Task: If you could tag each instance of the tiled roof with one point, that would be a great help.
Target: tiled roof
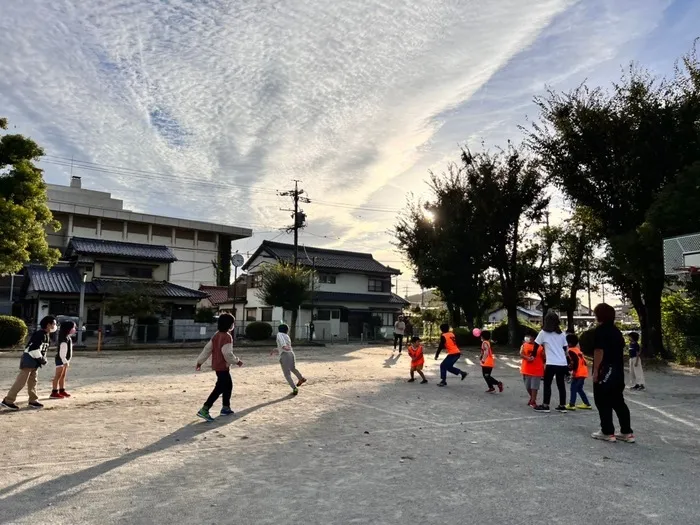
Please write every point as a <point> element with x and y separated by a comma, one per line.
<point>128,250</point>
<point>66,280</point>
<point>341,297</point>
<point>325,259</point>
<point>217,294</point>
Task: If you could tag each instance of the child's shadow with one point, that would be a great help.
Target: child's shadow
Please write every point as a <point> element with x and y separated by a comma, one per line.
<point>391,360</point>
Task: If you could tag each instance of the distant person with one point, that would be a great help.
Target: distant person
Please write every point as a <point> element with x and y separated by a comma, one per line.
<point>609,377</point>
<point>636,371</point>
<point>488,362</point>
<point>63,357</point>
<point>399,330</point>
<point>555,348</point>
<point>220,348</point>
<point>408,330</point>
<point>415,352</point>
<point>33,358</point>
<point>288,359</point>
<point>579,373</point>
<point>531,367</point>
<point>449,344</point>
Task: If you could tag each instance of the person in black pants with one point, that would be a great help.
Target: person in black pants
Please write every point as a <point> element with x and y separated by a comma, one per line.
<point>609,377</point>
<point>554,343</point>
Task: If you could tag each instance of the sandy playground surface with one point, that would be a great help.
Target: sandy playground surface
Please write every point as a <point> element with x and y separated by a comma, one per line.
<point>358,445</point>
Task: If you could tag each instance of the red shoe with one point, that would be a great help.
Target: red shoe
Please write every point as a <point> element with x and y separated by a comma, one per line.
<point>64,394</point>
<point>490,390</point>
<point>500,387</point>
<point>531,404</point>
<point>55,395</point>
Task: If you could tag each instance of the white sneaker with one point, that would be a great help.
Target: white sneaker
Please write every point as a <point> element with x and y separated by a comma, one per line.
<point>627,438</point>
<point>603,437</point>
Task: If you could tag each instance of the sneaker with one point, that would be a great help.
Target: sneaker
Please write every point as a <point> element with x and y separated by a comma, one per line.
<point>490,390</point>
<point>635,387</point>
<point>641,387</point>
<point>226,411</point>
<point>500,387</point>
<point>570,407</point>
<point>442,383</point>
<point>9,405</point>
<point>55,395</point>
<point>301,381</point>
<point>562,409</point>
<point>603,437</point>
<point>63,394</point>
<point>35,405</point>
<point>627,438</point>
<point>424,381</point>
<point>464,374</point>
<point>204,414</point>
<point>531,404</point>
<point>295,391</point>
<point>583,406</point>
<point>542,408</point>
<point>411,380</point>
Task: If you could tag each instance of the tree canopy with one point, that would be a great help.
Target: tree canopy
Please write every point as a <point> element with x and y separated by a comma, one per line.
<point>25,215</point>
<point>286,286</point>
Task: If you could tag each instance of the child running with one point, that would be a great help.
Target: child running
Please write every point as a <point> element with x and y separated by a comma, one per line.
<point>532,368</point>
<point>220,348</point>
<point>487,362</point>
<point>32,359</point>
<point>287,358</point>
<point>449,344</point>
<point>415,352</point>
<point>579,373</point>
<point>63,357</point>
<point>636,371</point>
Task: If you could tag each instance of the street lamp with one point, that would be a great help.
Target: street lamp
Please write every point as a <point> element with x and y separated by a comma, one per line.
<point>80,310</point>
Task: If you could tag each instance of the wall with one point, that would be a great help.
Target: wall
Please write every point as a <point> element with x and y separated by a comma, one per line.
<point>348,283</point>
<point>160,272</point>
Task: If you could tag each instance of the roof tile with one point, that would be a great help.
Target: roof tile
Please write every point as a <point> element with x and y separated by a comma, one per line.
<point>130,250</point>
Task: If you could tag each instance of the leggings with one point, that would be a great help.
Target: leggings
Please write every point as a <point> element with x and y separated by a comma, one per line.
<point>550,371</point>
<point>223,388</point>
<point>490,381</point>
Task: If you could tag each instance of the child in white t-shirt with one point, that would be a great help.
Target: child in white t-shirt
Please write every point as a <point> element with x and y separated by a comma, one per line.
<point>288,359</point>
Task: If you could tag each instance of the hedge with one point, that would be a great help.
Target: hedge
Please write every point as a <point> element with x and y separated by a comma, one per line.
<point>258,331</point>
<point>13,331</point>
<point>500,333</point>
<point>464,337</point>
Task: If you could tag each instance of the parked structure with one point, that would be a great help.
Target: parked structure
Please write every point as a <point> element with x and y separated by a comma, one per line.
<point>350,290</point>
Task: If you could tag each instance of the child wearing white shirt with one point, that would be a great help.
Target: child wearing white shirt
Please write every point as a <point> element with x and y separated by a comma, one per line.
<point>288,359</point>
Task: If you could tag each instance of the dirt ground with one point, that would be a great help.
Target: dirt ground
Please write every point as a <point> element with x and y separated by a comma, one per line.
<point>358,445</point>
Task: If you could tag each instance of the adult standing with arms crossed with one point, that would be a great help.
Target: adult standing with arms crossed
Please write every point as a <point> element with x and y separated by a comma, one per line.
<point>609,377</point>
<point>399,329</point>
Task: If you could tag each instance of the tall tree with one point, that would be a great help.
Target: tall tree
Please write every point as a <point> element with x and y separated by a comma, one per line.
<point>23,209</point>
<point>613,152</point>
<point>506,192</point>
<point>286,286</point>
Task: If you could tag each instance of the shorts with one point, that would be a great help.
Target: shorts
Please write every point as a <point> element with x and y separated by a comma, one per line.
<point>418,368</point>
<point>532,382</point>
<point>59,363</point>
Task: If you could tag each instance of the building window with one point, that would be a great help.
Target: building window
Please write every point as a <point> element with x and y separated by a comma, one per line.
<point>256,280</point>
<point>335,314</point>
<point>129,272</point>
<point>326,279</point>
<point>250,314</point>
<point>266,315</point>
<point>388,318</point>
<point>378,285</point>
<point>323,315</point>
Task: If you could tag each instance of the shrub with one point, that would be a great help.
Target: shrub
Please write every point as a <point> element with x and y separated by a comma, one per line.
<point>258,331</point>
<point>585,341</point>
<point>204,315</point>
<point>680,324</point>
<point>500,333</point>
<point>13,331</point>
<point>464,337</point>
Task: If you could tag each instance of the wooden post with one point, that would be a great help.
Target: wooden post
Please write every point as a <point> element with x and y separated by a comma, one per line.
<point>99,339</point>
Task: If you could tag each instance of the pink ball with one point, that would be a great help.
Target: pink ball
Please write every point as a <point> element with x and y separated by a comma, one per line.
<point>476,332</point>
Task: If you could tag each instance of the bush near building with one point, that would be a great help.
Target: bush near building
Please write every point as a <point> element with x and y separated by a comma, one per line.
<point>13,331</point>
<point>258,331</point>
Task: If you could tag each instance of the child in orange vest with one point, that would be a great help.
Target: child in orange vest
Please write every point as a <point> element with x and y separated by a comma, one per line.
<point>415,352</point>
<point>532,368</point>
<point>579,372</point>
<point>487,362</point>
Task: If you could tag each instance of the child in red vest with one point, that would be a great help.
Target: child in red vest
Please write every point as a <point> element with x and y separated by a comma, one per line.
<point>220,348</point>
<point>579,373</point>
<point>532,368</point>
<point>415,352</point>
<point>487,362</point>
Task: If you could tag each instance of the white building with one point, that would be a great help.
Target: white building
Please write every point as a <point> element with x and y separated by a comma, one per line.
<point>196,245</point>
<point>349,290</point>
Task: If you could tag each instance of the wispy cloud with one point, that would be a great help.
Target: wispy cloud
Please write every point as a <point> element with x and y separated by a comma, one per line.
<point>357,98</point>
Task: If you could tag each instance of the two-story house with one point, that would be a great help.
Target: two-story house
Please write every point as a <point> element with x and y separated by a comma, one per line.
<point>101,269</point>
<point>349,289</point>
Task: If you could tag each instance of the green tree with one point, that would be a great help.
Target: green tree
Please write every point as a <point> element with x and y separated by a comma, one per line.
<point>614,152</point>
<point>286,286</point>
<point>23,209</point>
<point>132,305</point>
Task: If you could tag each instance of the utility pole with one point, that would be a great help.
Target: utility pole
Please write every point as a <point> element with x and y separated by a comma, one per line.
<point>298,216</point>
<point>313,280</point>
<point>549,251</point>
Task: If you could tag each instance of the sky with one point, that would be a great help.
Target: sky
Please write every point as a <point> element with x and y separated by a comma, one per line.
<point>208,109</point>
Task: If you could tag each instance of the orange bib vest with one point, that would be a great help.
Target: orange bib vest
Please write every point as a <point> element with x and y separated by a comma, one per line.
<point>486,355</point>
<point>533,368</point>
<point>451,344</point>
<point>525,365</point>
<point>416,355</point>
<point>582,371</point>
